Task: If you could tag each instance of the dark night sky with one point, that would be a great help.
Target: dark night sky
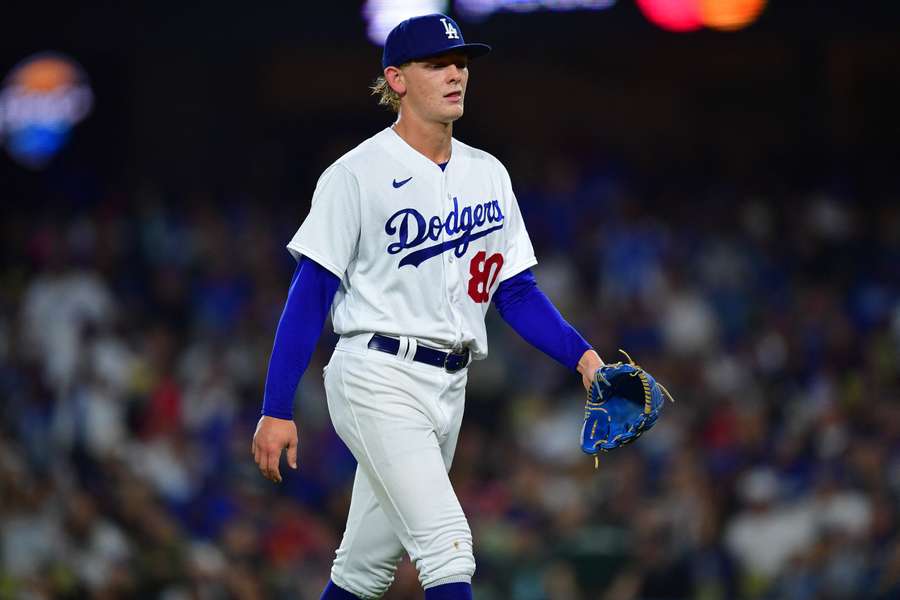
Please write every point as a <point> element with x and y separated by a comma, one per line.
<point>262,98</point>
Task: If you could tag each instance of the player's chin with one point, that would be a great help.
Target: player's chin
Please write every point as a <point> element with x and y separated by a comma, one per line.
<point>454,111</point>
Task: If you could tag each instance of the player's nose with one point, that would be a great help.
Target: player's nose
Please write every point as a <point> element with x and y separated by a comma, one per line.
<point>454,73</point>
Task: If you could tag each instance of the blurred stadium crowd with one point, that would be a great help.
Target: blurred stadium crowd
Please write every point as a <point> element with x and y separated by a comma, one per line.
<point>134,337</point>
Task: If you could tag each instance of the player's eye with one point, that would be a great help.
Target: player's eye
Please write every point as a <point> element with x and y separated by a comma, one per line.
<point>434,66</point>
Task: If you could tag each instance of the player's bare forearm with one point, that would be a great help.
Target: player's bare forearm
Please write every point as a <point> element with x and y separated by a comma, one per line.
<point>271,437</point>
<point>588,364</point>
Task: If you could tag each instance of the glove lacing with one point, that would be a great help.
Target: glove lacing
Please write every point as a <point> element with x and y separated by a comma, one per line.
<point>648,397</point>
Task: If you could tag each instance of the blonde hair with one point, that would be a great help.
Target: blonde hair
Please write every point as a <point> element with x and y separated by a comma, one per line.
<point>386,96</point>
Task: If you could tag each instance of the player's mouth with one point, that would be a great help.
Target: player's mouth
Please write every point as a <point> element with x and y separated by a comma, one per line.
<point>453,96</point>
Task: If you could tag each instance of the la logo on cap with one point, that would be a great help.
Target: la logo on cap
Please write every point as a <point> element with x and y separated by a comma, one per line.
<point>450,30</point>
<point>420,37</point>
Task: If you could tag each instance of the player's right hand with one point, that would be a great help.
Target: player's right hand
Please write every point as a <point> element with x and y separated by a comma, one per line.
<point>271,437</point>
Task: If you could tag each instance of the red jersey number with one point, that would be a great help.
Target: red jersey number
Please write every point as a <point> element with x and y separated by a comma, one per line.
<point>484,273</point>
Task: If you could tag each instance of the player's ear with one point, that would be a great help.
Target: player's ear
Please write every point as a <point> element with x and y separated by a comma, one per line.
<point>395,79</point>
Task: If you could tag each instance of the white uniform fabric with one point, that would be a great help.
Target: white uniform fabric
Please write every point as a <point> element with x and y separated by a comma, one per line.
<point>419,250</point>
<point>401,420</point>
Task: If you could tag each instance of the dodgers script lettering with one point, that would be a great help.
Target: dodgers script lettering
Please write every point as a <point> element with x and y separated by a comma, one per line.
<point>412,229</point>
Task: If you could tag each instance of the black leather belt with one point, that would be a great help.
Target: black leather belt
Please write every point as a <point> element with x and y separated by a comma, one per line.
<point>451,361</point>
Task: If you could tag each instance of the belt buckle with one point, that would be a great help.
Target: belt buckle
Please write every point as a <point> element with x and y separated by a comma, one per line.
<point>447,358</point>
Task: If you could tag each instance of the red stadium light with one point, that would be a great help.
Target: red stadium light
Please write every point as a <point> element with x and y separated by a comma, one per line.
<point>679,16</point>
<point>682,16</point>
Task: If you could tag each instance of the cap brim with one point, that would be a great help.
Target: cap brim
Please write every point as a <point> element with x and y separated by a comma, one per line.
<point>473,51</point>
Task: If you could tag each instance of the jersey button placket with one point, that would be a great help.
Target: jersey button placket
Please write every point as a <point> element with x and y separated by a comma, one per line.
<point>451,257</point>
<point>447,270</point>
<point>452,276</point>
<point>449,203</point>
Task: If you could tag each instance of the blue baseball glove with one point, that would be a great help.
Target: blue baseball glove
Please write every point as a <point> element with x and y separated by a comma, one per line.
<point>624,402</point>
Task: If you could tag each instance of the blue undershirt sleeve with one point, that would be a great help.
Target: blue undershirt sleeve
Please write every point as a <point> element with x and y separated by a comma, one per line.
<point>309,299</point>
<point>530,313</point>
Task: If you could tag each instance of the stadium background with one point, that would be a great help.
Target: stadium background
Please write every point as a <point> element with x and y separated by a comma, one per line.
<point>722,205</point>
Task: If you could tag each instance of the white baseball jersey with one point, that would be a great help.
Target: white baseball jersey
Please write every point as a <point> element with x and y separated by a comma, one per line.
<point>419,250</point>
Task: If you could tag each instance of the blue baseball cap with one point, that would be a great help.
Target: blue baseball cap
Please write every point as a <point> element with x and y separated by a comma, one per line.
<point>428,35</point>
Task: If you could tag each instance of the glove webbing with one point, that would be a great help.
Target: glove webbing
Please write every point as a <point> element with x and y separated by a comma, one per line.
<point>648,400</point>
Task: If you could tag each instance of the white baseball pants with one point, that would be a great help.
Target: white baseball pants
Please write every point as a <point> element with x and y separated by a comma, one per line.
<point>401,420</point>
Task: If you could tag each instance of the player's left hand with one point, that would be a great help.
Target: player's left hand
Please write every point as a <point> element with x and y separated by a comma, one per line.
<point>624,401</point>
<point>588,364</point>
<point>272,436</point>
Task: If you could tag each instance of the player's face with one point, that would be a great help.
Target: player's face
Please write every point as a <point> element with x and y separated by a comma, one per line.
<point>436,86</point>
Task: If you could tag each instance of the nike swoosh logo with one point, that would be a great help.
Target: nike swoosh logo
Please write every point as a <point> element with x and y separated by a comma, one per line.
<point>401,183</point>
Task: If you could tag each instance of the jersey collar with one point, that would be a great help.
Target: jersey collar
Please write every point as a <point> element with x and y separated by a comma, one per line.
<point>408,155</point>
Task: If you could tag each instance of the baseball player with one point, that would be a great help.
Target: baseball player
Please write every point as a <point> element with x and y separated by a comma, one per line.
<point>409,238</point>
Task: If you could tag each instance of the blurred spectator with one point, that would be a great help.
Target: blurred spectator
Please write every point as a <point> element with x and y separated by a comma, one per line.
<point>131,368</point>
